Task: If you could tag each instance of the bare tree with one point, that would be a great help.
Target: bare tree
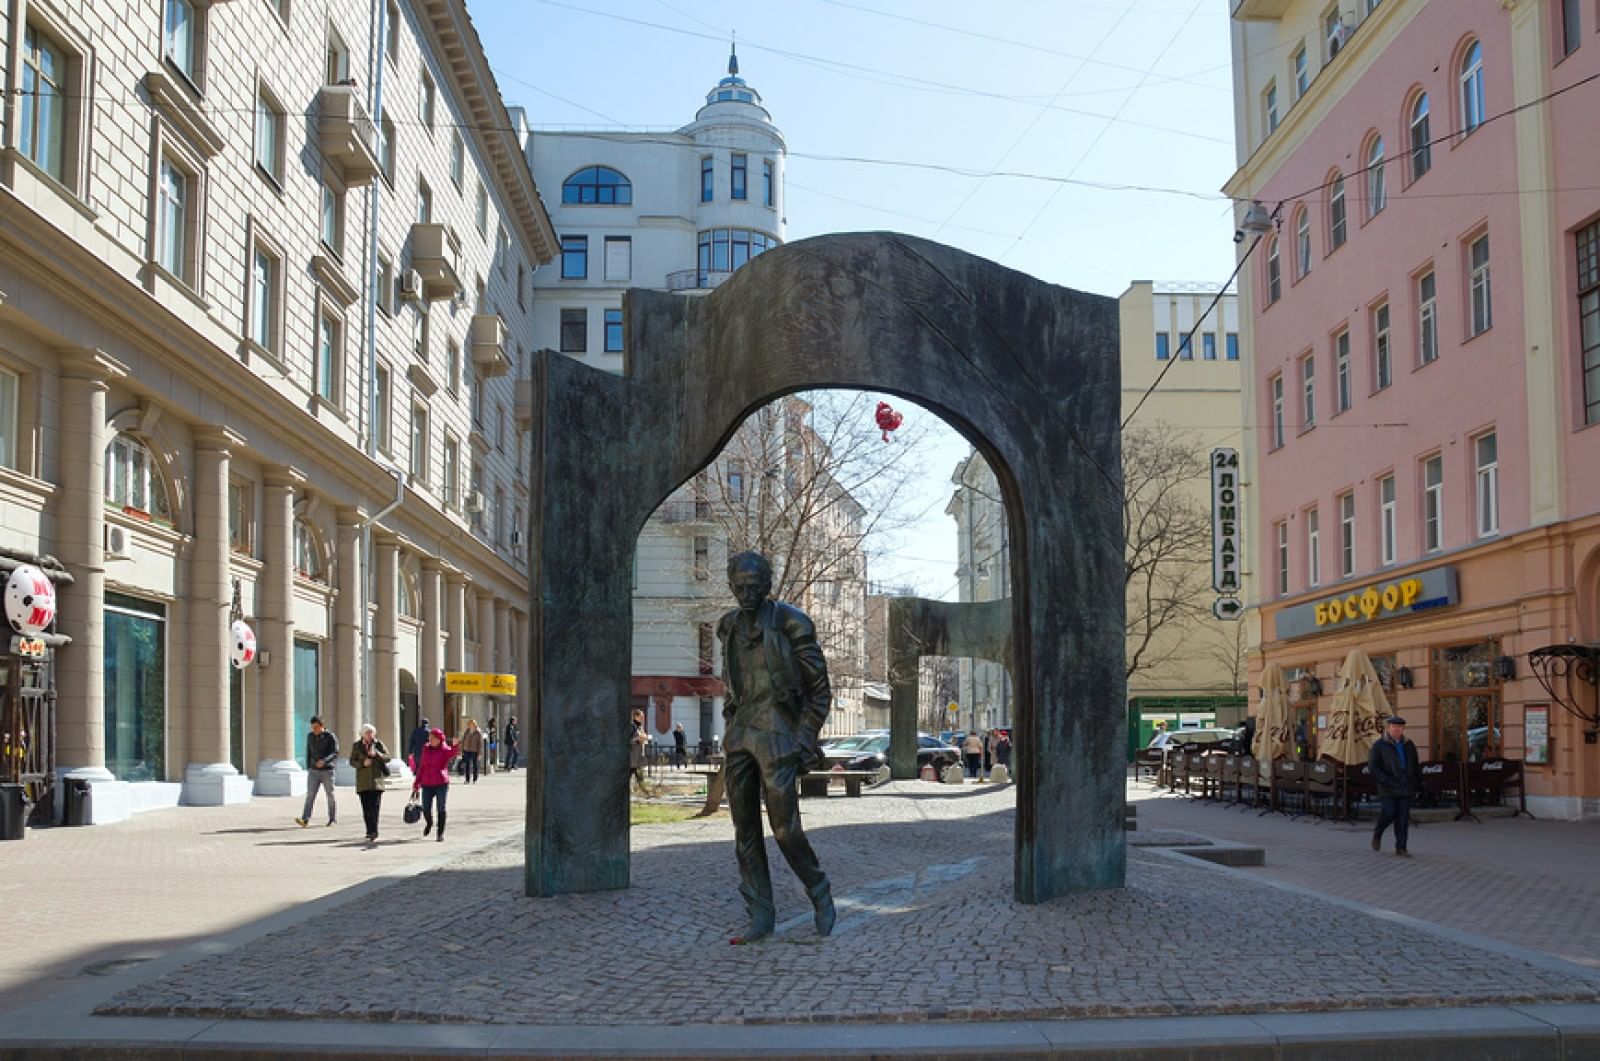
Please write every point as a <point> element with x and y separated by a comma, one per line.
<point>1167,531</point>
<point>1230,651</point>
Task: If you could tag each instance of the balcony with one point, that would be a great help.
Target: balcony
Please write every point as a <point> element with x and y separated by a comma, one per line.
<point>523,409</point>
<point>696,279</point>
<point>437,259</point>
<point>487,337</point>
<point>684,512</point>
<point>346,135</point>
<point>1260,10</point>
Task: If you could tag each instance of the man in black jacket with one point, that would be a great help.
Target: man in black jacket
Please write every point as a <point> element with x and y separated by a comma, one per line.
<point>322,750</point>
<point>1398,775</point>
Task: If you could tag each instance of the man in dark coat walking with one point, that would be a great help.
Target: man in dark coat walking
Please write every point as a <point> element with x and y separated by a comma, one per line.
<point>1398,775</point>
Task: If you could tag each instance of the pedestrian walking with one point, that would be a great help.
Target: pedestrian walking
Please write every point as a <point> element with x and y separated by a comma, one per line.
<point>972,748</point>
<point>419,737</point>
<point>1398,775</point>
<point>1002,750</point>
<point>637,740</point>
<point>511,740</point>
<point>433,779</point>
<point>371,761</point>
<point>492,757</point>
<point>322,751</point>
<point>680,746</point>
<point>471,748</point>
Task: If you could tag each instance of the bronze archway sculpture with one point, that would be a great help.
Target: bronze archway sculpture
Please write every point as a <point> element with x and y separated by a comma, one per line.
<point>1029,372</point>
<point>919,627</point>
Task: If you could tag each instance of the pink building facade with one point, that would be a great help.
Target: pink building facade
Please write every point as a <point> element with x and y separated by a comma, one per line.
<point>1422,336</point>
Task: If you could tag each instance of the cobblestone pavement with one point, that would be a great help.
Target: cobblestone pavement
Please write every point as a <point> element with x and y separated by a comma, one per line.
<point>1534,884</point>
<point>927,930</point>
<point>94,899</point>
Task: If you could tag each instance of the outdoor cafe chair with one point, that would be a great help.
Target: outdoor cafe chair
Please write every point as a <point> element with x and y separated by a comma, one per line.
<point>1288,786</point>
<point>1322,789</point>
<point>1230,780</point>
<point>1211,776</point>
<point>1359,788</point>
<point>1442,786</point>
<point>1249,781</point>
<point>1487,782</point>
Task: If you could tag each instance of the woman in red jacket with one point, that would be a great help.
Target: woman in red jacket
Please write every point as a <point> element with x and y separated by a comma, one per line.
<point>433,778</point>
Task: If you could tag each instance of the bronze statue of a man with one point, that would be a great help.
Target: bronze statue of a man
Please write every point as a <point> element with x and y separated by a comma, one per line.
<point>777,699</point>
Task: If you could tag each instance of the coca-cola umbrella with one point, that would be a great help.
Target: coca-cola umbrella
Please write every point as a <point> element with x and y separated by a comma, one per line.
<point>1359,708</point>
<point>1274,728</point>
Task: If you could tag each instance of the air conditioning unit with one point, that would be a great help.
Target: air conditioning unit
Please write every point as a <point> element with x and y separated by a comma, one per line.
<point>411,284</point>
<point>474,506</point>
<point>116,542</point>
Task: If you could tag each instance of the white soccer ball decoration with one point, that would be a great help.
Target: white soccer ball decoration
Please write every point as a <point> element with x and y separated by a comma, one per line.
<point>241,644</point>
<point>30,601</point>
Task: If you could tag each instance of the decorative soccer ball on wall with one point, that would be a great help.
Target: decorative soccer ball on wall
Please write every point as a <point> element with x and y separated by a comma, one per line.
<point>241,644</point>
<point>30,600</point>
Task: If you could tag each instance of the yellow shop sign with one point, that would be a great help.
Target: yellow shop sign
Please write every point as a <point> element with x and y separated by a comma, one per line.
<point>1369,603</point>
<point>474,682</point>
<point>1424,590</point>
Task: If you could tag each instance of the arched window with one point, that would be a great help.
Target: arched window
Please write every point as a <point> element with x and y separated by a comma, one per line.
<point>1337,229</point>
<point>1471,88</point>
<point>597,186</point>
<point>133,479</point>
<point>1421,153</point>
<point>1302,242</point>
<point>408,595</point>
<point>1377,191</point>
<point>308,561</point>
<point>1274,273</point>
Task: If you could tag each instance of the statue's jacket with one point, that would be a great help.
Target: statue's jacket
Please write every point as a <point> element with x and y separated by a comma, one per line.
<point>769,714</point>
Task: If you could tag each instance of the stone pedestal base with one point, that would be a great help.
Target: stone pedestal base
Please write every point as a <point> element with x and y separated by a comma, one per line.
<point>954,775</point>
<point>111,800</point>
<point>214,785</point>
<point>999,775</point>
<point>280,777</point>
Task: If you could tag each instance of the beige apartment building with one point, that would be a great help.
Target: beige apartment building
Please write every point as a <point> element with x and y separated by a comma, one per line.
<point>263,304</point>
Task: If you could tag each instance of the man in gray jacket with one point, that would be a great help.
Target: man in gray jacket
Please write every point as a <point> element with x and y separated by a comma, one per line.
<point>776,702</point>
<point>1398,775</point>
<point>322,750</point>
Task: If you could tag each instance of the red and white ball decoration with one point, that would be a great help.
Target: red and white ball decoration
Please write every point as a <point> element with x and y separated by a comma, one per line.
<point>30,601</point>
<point>241,644</point>
<point>887,418</point>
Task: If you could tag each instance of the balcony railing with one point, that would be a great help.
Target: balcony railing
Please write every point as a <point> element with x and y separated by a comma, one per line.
<point>346,134</point>
<point>696,279</point>
<point>684,512</point>
<point>487,337</point>
<point>437,258</point>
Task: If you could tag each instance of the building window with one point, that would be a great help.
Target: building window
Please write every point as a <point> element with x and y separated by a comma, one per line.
<point>1208,346</point>
<point>619,258</point>
<point>181,39</point>
<point>1377,191</point>
<point>1163,350</point>
<point>419,443</point>
<point>1341,369</point>
<point>1347,535</point>
<point>483,211</point>
<point>44,114</point>
<point>1274,274</point>
<point>707,179</point>
<point>475,397</point>
<point>386,147</point>
<point>338,68</point>
<point>723,250</point>
<point>133,480</point>
<point>241,518</point>
<point>1478,260</point>
<point>1587,242</point>
<point>391,47</point>
<point>707,639</point>
<point>1485,450</point>
<point>499,516</point>
<point>1336,213</point>
<point>1421,149</point>
<point>1571,26</point>
<point>450,487</point>
<point>1466,707</point>
<point>383,284</point>
<point>1386,519</point>
<point>1313,549</point>
<point>173,221</point>
<point>421,318</point>
<point>1432,504</point>
<point>613,331</point>
<point>574,257</point>
<point>330,357</point>
<point>332,219</point>
<point>1185,351</point>
<point>424,202</point>
<point>10,418</point>
<point>574,331</point>
<point>736,483</point>
<point>1302,242</point>
<point>266,273</point>
<point>768,193</point>
<point>1277,411</point>
<point>308,553</point>
<point>1383,363</point>
<point>1269,106</point>
<point>1427,319</point>
<point>522,286</point>
<point>269,135</point>
<point>702,558</point>
<point>1231,341</point>
<point>597,186</point>
<point>1333,31</point>
<point>1308,391</point>
<point>1282,530</point>
<point>425,99</point>
<point>739,187</point>
<point>1302,72</point>
<point>380,406</point>
<point>1472,102</point>
<point>458,159</point>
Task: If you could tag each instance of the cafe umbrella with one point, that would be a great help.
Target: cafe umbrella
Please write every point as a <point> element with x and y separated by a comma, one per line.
<point>1274,729</point>
<point>1359,708</point>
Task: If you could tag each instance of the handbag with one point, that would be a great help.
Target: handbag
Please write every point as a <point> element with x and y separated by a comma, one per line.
<point>413,812</point>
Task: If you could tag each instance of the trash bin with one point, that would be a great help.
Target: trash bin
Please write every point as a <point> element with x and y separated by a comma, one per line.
<point>80,802</point>
<point>12,812</point>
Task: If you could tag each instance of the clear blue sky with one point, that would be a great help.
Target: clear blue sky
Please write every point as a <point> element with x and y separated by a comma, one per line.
<point>1108,99</point>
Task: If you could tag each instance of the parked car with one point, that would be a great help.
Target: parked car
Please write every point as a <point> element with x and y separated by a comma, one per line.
<point>1174,738</point>
<point>874,754</point>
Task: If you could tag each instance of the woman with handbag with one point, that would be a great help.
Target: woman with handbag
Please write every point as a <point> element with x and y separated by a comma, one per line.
<point>433,778</point>
<point>371,761</point>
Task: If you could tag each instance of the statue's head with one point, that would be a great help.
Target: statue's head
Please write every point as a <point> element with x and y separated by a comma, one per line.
<point>750,579</point>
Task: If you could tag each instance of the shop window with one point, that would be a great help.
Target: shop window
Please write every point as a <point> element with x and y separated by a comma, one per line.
<point>135,685</point>
<point>1466,702</point>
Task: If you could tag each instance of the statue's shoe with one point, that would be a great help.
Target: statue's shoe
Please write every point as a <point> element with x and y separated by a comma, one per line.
<point>825,915</point>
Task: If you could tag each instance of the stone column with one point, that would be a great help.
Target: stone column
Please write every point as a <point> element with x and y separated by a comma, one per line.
<point>486,633</point>
<point>80,545</point>
<point>384,710</point>
<point>348,570</point>
<point>279,773</point>
<point>456,618</point>
<point>210,779</point>
<point>430,680</point>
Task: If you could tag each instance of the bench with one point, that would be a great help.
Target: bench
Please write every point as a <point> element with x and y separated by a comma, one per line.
<point>816,784</point>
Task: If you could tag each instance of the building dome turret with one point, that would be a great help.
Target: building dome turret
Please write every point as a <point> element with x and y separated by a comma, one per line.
<point>733,95</point>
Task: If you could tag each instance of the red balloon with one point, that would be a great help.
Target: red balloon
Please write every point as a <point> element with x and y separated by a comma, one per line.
<point>888,419</point>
